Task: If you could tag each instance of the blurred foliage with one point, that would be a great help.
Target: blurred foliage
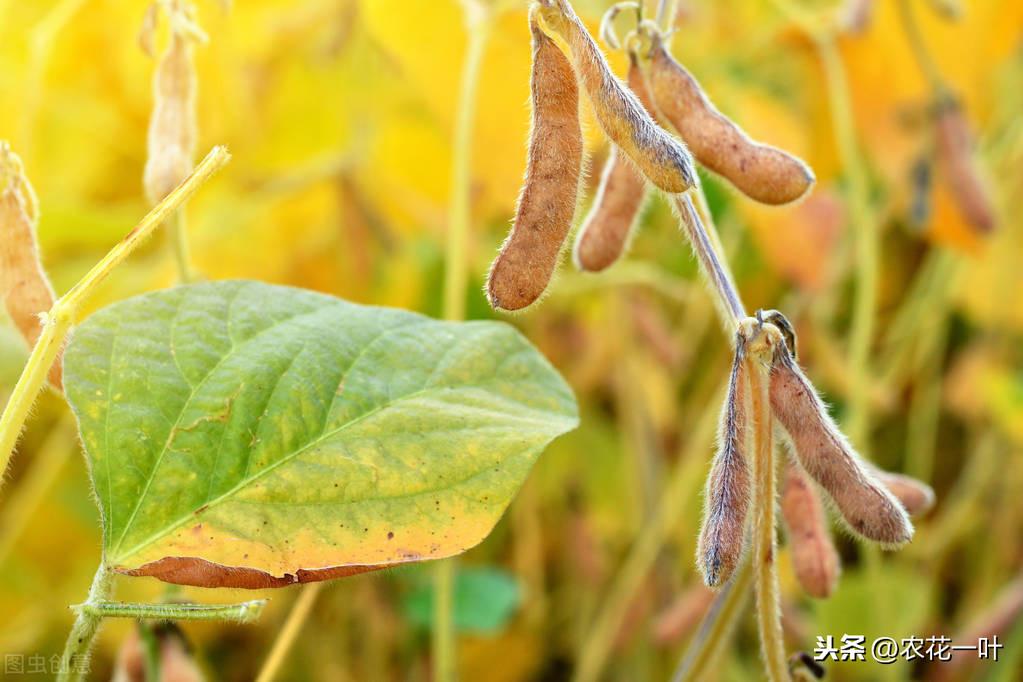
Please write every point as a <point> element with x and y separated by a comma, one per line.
<point>340,116</point>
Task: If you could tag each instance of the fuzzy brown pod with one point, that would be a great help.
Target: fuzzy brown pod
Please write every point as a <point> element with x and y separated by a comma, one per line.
<point>663,159</point>
<point>814,558</point>
<point>24,284</point>
<point>526,262</point>
<point>722,535</point>
<point>863,502</point>
<point>955,155</point>
<point>606,230</point>
<point>172,128</point>
<point>761,172</point>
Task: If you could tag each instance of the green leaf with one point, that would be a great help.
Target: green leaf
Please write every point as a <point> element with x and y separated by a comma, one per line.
<point>242,434</point>
<point>485,599</point>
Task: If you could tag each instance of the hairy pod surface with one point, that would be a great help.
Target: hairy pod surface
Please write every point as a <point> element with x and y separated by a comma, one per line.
<point>865,504</point>
<point>605,233</point>
<point>814,558</point>
<point>526,262</point>
<point>172,127</point>
<point>722,535</point>
<point>661,158</point>
<point>955,152</point>
<point>761,172</point>
<point>24,285</point>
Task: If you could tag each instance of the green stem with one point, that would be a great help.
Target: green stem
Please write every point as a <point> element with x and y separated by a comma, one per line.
<point>444,645</point>
<point>182,253</point>
<point>244,612</point>
<point>456,277</point>
<point>61,316</point>
<point>456,267</point>
<point>74,663</point>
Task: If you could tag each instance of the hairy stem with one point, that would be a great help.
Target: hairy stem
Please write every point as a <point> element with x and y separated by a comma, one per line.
<point>74,662</point>
<point>712,263</point>
<point>244,612</point>
<point>300,611</point>
<point>772,645</point>
<point>62,315</point>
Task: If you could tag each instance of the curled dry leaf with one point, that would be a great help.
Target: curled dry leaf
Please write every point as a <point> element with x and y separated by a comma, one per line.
<point>814,558</point>
<point>662,159</point>
<point>523,268</point>
<point>761,172</point>
<point>605,232</point>
<point>24,285</point>
<point>955,154</point>
<point>723,532</point>
<point>825,454</point>
<point>172,127</point>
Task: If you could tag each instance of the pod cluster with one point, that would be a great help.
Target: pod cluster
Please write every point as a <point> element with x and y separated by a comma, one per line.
<point>873,504</point>
<point>636,116</point>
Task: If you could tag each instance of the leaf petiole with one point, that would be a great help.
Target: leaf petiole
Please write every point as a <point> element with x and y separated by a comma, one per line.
<point>244,612</point>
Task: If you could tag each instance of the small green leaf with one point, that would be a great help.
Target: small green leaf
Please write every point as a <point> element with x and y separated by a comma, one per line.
<point>242,434</point>
<point>485,600</point>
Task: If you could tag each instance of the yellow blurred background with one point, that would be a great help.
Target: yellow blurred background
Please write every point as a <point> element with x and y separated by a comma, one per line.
<point>341,115</point>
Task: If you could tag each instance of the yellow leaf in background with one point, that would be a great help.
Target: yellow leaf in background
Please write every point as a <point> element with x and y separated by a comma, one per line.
<point>407,171</point>
<point>430,70</point>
